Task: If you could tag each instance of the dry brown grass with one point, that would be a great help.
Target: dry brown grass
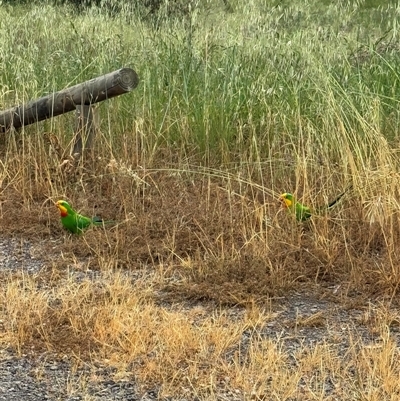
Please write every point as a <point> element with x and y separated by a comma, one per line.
<point>205,288</point>
<point>180,291</point>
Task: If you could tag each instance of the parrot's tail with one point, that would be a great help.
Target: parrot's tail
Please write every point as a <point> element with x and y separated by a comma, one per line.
<point>98,221</point>
<point>337,199</point>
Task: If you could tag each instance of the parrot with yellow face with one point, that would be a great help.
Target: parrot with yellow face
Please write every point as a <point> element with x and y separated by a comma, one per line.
<point>302,212</point>
<point>75,222</point>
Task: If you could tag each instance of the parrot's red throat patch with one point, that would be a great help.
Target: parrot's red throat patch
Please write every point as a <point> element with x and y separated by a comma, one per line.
<point>62,209</point>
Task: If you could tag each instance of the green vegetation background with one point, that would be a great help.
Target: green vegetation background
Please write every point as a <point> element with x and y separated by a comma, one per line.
<point>288,85</point>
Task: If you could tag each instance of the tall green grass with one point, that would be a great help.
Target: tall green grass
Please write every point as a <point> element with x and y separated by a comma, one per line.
<point>287,88</point>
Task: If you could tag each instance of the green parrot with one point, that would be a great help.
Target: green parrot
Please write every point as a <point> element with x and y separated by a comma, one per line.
<point>75,222</point>
<point>303,212</point>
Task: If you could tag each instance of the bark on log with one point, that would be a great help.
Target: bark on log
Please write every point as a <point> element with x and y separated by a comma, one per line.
<point>87,93</point>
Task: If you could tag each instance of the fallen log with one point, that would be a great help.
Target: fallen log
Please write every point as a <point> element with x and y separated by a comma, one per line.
<point>87,93</point>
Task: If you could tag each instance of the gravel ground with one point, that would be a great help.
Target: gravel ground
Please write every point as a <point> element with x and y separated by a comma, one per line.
<point>31,379</point>
<point>19,255</point>
<point>301,320</point>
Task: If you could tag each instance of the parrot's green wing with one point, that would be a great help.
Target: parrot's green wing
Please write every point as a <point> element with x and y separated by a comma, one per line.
<point>82,222</point>
<point>302,212</point>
